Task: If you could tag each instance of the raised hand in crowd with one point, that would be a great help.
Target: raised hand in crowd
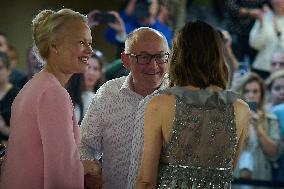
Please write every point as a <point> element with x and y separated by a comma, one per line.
<point>91,21</point>
<point>118,24</point>
<point>111,18</point>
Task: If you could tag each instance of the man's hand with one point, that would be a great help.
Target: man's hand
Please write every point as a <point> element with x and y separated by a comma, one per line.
<point>92,167</point>
<point>93,175</point>
<point>93,181</point>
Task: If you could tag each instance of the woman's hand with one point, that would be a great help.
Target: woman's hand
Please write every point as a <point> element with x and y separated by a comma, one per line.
<point>255,117</point>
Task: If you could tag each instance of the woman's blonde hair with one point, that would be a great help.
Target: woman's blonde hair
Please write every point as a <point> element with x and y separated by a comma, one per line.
<point>254,77</point>
<point>274,76</point>
<point>48,25</point>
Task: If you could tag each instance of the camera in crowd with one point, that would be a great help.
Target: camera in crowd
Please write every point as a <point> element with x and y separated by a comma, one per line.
<point>252,106</point>
<point>104,17</point>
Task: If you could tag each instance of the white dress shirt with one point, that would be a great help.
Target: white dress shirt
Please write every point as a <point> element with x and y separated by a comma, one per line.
<point>107,130</point>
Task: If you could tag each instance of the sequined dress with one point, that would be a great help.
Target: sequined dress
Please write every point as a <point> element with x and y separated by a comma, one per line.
<point>203,141</point>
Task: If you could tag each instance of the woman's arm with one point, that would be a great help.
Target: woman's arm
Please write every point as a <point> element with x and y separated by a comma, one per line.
<point>268,145</point>
<point>270,141</point>
<point>148,173</point>
<point>62,167</point>
<point>242,122</point>
<point>259,34</point>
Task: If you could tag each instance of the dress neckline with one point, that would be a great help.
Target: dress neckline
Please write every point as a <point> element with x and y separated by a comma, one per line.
<point>203,96</point>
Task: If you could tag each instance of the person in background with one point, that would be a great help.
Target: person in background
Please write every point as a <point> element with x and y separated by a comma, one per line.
<point>275,87</point>
<point>262,145</point>
<point>267,35</point>
<point>163,13</point>
<point>3,42</point>
<point>93,77</point>
<point>17,78</point>
<point>278,170</point>
<point>44,139</point>
<point>240,17</point>
<point>115,70</point>
<point>76,88</point>
<point>34,62</point>
<point>137,13</point>
<point>8,92</point>
<point>82,87</point>
<point>277,61</point>
<point>108,126</point>
<point>229,55</point>
<point>193,132</point>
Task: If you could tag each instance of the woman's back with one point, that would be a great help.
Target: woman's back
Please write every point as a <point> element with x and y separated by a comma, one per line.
<point>201,144</point>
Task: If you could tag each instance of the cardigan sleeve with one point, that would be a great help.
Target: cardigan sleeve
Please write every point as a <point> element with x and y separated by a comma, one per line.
<point>62,165</point>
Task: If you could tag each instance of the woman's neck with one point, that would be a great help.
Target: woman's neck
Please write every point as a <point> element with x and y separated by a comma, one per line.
<point>61,77</point>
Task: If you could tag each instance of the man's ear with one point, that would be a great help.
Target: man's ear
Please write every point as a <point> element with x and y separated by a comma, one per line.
<point>125,60</point>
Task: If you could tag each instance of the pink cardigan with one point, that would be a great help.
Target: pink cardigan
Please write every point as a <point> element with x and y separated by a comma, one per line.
<point>44,139</point>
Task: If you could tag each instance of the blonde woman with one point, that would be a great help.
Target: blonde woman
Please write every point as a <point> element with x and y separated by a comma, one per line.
<point>44,139</point>
<point>194,132</point>
<point>262,145</point>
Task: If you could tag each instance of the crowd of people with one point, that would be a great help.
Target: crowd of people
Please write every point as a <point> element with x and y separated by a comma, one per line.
<point>185,107</point>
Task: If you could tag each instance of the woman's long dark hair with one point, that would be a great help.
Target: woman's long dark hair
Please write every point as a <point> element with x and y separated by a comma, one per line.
<point>75,88</point>
<point>197,57</point>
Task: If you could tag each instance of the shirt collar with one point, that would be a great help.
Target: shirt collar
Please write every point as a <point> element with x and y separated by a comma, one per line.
<point>165,84</point>
<point>127,86</point>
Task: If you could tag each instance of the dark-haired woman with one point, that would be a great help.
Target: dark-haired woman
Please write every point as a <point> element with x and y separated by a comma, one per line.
<point>194,132</point>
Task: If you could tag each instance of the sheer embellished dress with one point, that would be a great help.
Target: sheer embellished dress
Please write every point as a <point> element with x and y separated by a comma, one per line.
<point>203,141</point>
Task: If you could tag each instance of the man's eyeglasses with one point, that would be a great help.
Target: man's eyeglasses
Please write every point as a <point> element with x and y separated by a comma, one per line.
<point>146,58</point>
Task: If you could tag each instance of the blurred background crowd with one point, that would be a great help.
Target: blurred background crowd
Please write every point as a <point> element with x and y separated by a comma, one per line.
<point>253,35</point>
